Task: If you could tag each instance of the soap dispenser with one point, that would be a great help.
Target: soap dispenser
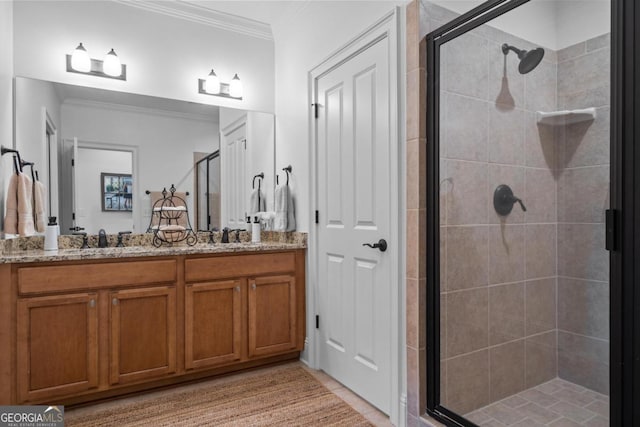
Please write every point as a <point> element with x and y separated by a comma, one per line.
<point>255,230</point>
<point>51,235</point>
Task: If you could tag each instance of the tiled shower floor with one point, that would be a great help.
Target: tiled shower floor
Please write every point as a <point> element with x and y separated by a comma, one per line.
<point>556,403</point>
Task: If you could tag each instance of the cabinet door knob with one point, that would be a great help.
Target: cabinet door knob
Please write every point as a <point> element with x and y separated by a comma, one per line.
<point>253,286</point>
<point>92,303</point>
<point>237,288</point>
<point>115,301</point>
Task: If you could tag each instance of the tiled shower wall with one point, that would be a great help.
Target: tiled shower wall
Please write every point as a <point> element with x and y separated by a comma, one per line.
<point>583,196</point>
<point>498,275</point>
<point>501,326</point>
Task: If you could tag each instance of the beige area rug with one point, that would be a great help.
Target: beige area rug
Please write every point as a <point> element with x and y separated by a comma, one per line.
<point>282,397</point>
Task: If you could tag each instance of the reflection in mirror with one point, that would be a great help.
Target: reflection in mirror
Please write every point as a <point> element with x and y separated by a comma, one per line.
<point>208,191</point>
<point>112,203</point>
<point>163,139</point>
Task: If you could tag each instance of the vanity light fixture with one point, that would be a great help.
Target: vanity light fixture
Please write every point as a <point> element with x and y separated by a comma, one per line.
<point>80,60</point>
<point>111,67</point>
<point>235,88</point>
<point>213,86</point>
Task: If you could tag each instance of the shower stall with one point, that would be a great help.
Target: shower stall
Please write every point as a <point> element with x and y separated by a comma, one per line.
<point>519,153</point>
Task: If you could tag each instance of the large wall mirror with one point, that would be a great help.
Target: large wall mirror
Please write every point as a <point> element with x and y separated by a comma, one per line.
<point>103,154</point>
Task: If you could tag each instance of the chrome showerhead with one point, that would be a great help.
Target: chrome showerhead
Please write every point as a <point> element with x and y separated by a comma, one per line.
<point>529,59</point>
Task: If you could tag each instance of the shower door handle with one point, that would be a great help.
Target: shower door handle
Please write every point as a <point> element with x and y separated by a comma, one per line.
<point>381,245</point>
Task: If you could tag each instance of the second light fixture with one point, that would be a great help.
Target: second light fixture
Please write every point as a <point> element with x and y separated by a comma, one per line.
<point>213,86</point>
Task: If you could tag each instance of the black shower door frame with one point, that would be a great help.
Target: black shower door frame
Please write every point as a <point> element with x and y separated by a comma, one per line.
<point>623,217</point>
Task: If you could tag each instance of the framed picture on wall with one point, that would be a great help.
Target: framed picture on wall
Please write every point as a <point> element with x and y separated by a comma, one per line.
<point>116,190</point>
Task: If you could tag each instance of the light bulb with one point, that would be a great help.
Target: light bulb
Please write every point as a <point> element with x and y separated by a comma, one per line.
<point>212,84</point>
<point>235,87</point>
<point>80,60</point>
<point>111,65</point>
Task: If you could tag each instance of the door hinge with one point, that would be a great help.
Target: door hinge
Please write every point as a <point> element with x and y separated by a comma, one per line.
<point>317,217</point>
<point>317,321</point>
<point>611,224</point>
<point>315,110</point>
<point>73,162</point>
<point>73,216</point>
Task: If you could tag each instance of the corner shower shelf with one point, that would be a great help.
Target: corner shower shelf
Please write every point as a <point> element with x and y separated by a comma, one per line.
<point>565,117</point>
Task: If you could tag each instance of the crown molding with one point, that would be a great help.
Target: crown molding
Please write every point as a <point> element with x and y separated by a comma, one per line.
<point>85,103</point>
<point>202,15</point>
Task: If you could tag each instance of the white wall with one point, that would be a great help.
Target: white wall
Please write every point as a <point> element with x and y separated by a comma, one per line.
<point>165,56</point>
<point>6,97</point>
<point>555,24</point>
<point>165,146</point>
<point>302,42</point>
<point>90,164</point>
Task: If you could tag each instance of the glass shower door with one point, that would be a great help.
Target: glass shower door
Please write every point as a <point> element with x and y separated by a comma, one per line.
<point>522,291</point>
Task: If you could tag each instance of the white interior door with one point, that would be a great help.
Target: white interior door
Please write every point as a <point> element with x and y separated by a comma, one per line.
<point>74,184</point>
<point>354,199</point>
<point>233,167</point>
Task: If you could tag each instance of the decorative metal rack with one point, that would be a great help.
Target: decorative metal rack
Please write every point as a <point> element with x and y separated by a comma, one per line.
<point>168,211</point>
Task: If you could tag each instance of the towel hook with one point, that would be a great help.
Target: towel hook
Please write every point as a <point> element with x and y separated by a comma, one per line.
<point>16,165</point>
<point>288,170</point>
<point>17,162</point>
<point>261,176</point>
<point>31,165</point>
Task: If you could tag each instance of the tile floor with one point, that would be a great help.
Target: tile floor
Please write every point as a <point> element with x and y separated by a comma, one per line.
<point>372,414</point>
<point>556,403</point>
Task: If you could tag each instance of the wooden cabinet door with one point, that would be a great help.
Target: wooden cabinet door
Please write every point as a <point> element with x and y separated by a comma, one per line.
<point>57,346</point>
<point>213,323</point>
<point>272,315</point>
<point>143,334</point>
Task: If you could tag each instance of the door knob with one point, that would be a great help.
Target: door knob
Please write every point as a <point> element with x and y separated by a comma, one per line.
<point>381,245</point>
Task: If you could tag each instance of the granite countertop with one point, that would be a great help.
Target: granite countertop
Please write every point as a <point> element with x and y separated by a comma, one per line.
<point>30,250</point>
<point>39,255</point>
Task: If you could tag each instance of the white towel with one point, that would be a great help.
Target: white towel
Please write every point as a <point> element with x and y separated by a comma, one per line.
<point>285,219</point>
<point>39,198</point>
<point>254,206</point>
<point>266,220</point>
<point>25,208</point>
<point>11,215</point>
<point>291,214</point>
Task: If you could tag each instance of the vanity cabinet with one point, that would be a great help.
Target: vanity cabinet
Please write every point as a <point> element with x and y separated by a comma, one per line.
<point>272,315</point>
<point>57,352</point>
<point>143,334</point>
<point>243,307</point>
<point>85,330</point>
<point>213,323</point>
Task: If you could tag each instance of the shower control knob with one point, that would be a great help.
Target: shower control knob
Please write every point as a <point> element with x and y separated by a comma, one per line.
<point>503,200</point>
